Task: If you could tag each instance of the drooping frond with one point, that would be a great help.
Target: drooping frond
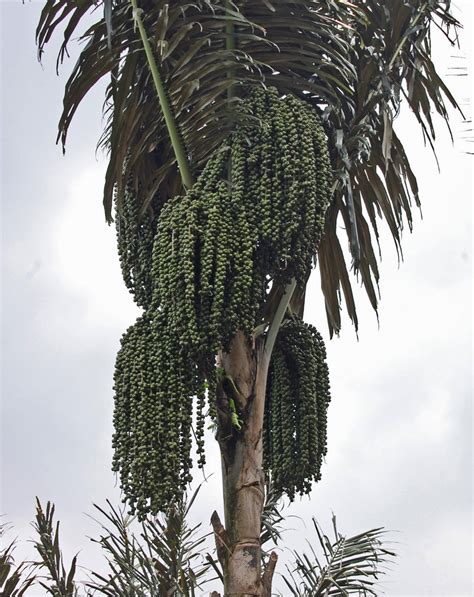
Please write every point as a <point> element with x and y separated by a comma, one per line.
<point>354,61</point>
<point>294,49</point>
<point>391,53</point>
<point>189,42</point>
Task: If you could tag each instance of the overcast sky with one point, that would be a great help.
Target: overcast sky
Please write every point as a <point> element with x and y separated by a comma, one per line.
<point>400,421</point>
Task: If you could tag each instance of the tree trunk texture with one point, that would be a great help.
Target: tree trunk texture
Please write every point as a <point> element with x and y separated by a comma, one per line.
<point>244,377</point>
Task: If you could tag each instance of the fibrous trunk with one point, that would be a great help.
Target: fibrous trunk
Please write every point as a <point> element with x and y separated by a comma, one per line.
<point>244,372</point>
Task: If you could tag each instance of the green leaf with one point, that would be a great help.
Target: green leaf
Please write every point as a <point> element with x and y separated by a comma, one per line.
<point>353,565</point>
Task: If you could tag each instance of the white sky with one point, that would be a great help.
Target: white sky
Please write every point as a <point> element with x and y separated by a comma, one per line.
<point>400,422</point>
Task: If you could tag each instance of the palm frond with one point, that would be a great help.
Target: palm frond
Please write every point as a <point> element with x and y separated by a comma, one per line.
<point>166,557</point>
<point>189,42</point>
<point>354,61</point>
<point>272,517</point>
<point>347,566</point>
<point>15,579</point>
<point>391,53</point>
<point>288,44</point>
<point>56,580</point>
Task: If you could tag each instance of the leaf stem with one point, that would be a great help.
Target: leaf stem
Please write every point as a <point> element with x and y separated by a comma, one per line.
<point>278,317</point>
<point>176,141</point>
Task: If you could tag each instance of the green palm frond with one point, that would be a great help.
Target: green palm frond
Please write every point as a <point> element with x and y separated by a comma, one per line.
<point>354,61</point>
<point>15,579</point>
<point>165,556</point>
<point>272,517</point>
<point>351,566</point>
<point>56,581</point>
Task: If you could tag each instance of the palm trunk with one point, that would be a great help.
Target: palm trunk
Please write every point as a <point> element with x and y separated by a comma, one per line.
<point>244,380</point>
<point>239,548</point>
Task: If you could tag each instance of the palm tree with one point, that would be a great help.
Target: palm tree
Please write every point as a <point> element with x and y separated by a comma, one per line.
<point>178,111</point>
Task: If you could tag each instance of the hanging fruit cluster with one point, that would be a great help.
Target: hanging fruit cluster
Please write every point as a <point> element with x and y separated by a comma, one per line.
<point>294,441</point>
<point>218,247</point>
<point>286,181</point>
<point>202,271</point>
<point>154,385</point>
<point>203,263</point>
<point>135,236</point>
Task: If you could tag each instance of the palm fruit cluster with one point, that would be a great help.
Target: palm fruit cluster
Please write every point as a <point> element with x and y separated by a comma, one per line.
<point>135,236</point>
<point>286,180</point>
<point>153,417</point>
<point>295,425</point>
<point>218,248</point>
<point>202,271</point>
<point>203,262</point>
